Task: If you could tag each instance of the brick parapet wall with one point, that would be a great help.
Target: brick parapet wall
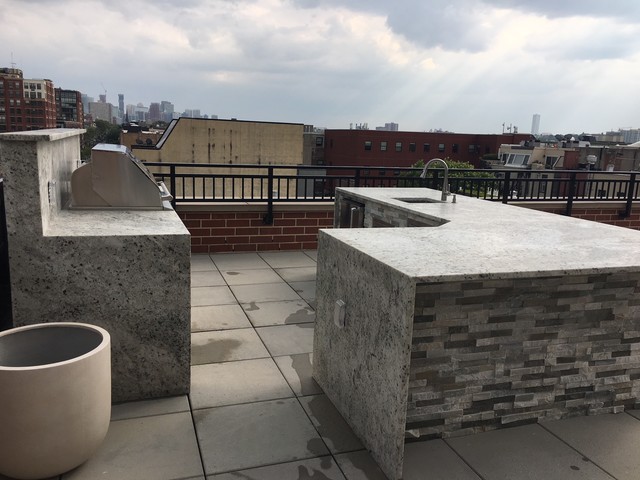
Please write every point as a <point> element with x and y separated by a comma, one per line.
<point>241,227</point>
<point>494,353</point>
<point>601,212</point>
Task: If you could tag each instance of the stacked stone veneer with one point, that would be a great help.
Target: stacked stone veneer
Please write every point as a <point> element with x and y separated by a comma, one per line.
<point>492,353</point>
<point>380,215</point>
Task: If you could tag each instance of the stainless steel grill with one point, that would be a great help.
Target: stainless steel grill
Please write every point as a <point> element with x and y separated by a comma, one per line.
<point>115,179</point>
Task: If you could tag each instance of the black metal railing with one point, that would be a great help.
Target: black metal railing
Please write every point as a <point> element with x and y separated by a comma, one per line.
<point>189,183</point>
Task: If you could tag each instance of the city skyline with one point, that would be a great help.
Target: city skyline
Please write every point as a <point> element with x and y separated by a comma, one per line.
<point>465,66</point>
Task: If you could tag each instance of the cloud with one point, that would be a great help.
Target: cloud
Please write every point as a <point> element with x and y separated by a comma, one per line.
<point>467,65</point>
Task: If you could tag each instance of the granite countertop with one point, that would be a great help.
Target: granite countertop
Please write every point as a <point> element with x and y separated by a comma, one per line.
<point>110,223</point>
<point>484,239</point>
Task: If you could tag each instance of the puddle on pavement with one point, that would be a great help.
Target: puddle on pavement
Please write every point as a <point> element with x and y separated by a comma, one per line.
<point>302,315</point>
<point>213,351</point>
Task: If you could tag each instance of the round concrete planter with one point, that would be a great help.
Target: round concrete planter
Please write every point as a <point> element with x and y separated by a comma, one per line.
<point>55,397</point>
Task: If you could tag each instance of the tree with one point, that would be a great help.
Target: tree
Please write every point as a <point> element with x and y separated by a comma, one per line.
<point>101,132</point>
<point>463,174</point>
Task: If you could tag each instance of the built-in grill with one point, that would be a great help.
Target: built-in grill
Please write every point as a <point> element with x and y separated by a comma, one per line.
<point>115,179</point>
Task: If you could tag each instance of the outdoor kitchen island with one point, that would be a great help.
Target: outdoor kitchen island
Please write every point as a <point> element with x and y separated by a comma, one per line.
<point>491,316</point>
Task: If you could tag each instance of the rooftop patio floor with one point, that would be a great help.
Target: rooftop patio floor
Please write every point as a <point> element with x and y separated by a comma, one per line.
<point>254,411</point>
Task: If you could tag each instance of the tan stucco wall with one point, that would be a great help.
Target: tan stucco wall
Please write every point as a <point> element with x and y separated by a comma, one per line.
<point>230,142</point>
<point>195,140</point>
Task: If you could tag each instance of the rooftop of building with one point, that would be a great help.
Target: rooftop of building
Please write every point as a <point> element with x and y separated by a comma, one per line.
<point>255,412</point>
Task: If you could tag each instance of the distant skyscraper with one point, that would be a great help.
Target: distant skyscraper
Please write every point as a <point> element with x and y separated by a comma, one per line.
<point>154,112</point>
<point>535,124</point>
<point>389,127</point>
<point>121,103</point>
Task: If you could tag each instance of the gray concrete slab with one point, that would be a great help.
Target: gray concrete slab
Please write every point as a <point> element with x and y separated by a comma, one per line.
<point>359,466</point>
<point>333,429</point>
<point>251,276</point>
<point>209,278</point>
<point>436,460</point>
<point>244,381</point>
<point>238,437</point>
<point>323,468</point>
<point>312,254</point>
<point>218,317</point>
<point>266,292</point>
<point>297,274</point>
<point>202,263</point>
<point>285,312</point>
<point>307,290</point>
<point>201,296</point>
<point>226,346</point>
<point>147,408</point>
<point>287,259</point>
<point>634,413</point>
<point>297,370</point>
<point>525,453</point>
<point>161,447</point>
<point>287,339</point>
<point>610,441</point>
<point>238,261</point>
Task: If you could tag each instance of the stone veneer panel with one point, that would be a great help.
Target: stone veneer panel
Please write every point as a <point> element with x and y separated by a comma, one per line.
<point>364,367</point>
<point>492,353</point>
<point>126,271</point>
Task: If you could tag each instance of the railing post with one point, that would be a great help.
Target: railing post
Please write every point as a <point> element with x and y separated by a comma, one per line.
<point>506,187</point>
<point>630,191</point>
<point>268,218</point>
<point>356,180</point>
<point>571,194</point>
<point>172,184</point>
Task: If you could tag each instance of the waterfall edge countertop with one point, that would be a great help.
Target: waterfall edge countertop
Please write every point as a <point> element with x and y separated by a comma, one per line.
<point>484,239</point>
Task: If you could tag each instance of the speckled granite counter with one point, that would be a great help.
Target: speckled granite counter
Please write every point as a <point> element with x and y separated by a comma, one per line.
<point>499,316</point>
<point>124,270</point>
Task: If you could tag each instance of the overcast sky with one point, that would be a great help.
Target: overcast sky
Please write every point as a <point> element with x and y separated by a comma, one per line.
<point>460,65</point>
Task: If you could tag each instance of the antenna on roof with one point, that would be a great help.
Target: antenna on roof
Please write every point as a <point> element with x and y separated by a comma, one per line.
<point>13,64</point>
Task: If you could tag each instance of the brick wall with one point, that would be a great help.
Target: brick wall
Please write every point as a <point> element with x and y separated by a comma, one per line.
<point>241,228</point>
<point>603,213</point>
<point>493,353</point>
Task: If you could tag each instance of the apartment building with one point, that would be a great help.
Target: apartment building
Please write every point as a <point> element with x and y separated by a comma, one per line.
<point>377,148</point>
<point>69,107</point>
<point>25,104</point>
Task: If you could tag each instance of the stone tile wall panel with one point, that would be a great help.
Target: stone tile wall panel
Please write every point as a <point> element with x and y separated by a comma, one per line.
<point>494,353</point>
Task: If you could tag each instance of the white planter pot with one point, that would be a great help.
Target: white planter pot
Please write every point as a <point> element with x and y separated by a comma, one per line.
<point>55,397</point>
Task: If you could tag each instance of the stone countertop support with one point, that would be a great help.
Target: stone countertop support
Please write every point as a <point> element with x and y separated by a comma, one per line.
<point>364,367</point>
<point>124,270</point>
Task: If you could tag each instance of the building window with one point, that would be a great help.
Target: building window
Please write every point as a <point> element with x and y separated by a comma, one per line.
<point>472,148</point>
<point>367,145</point>
<point>550,162</point>
<point>516,159</point>
<point>398,146</point>
<point>454,148</point>
<point>383,146</point>
<point>412,147</point>
<point>426,147</point>
<point>319,141</point>
<point>441,147</point>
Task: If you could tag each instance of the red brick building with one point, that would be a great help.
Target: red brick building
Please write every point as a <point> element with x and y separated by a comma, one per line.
<point>376,148</point>
<point>25,104</point>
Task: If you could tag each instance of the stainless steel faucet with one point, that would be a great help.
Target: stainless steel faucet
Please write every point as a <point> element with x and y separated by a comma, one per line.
<point>445,184</point>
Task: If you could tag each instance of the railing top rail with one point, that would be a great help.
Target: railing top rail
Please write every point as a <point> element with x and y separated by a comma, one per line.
<point>376,168</point>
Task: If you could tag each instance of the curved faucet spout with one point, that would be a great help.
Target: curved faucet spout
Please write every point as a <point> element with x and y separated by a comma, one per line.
<point>445,184</point>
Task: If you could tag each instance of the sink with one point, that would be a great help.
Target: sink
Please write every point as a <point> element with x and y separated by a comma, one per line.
<point>418,200</point>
